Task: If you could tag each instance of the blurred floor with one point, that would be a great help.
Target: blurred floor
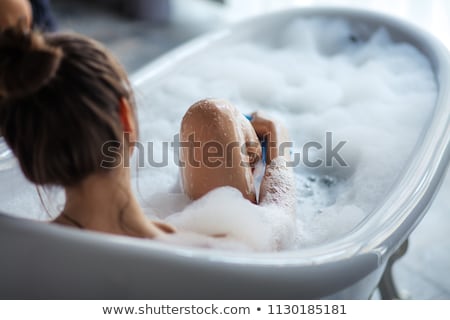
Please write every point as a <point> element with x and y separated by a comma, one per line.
<point>423,272</point>
<point>136,43</point>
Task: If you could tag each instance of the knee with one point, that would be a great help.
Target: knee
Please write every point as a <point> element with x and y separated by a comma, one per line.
<point>210,125</point>
<point>210,117</point>
<point>212,133</point>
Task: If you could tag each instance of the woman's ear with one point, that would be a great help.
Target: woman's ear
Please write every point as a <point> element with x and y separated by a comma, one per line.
<point>128,121</point>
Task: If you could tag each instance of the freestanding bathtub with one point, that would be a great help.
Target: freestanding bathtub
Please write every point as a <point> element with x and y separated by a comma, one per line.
<point>40,260</point>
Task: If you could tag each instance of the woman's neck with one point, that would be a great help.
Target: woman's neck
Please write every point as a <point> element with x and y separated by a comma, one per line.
<point>105,202</point>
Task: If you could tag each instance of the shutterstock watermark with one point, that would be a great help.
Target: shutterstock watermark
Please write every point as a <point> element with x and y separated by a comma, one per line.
<point>213,154</point>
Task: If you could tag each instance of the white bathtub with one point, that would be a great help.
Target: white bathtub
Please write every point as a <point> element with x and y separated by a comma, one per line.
<point>39,260</point>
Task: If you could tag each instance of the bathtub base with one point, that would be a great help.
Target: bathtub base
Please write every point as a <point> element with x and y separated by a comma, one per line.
<point>387,287</point>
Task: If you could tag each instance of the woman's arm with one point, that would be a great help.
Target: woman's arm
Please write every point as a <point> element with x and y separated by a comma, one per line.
<point>278,184</point>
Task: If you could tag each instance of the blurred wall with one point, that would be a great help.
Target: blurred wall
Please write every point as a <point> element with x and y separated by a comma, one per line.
<point>151,10</point>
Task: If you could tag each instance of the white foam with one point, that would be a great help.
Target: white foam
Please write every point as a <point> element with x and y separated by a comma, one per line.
<point>373,93</point>
<point>261,228</point>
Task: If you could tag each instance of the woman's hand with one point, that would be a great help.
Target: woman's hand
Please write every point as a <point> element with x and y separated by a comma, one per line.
<point>275,135</point>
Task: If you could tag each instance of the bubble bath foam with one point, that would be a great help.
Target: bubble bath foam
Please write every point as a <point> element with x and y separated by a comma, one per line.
<point>331,83</point>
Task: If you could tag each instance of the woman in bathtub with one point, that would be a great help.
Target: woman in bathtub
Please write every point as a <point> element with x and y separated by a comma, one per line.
<point>62,96</point>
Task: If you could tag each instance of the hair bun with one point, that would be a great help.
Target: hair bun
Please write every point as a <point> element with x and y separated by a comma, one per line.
<point>27,62</point>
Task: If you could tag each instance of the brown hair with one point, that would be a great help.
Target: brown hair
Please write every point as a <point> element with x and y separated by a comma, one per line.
<point>59,103</point>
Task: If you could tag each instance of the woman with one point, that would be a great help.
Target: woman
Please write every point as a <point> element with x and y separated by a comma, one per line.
<point>63,96</point>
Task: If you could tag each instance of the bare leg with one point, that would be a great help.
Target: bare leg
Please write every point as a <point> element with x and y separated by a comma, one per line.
<point>215,135</point>
<point>219,131</point>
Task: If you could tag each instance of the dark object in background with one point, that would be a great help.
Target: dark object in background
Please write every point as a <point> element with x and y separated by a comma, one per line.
<point>43,18</point>
<point>157,11</point>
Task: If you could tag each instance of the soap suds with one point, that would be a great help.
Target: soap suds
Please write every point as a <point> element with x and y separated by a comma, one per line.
<point>317,76</point>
